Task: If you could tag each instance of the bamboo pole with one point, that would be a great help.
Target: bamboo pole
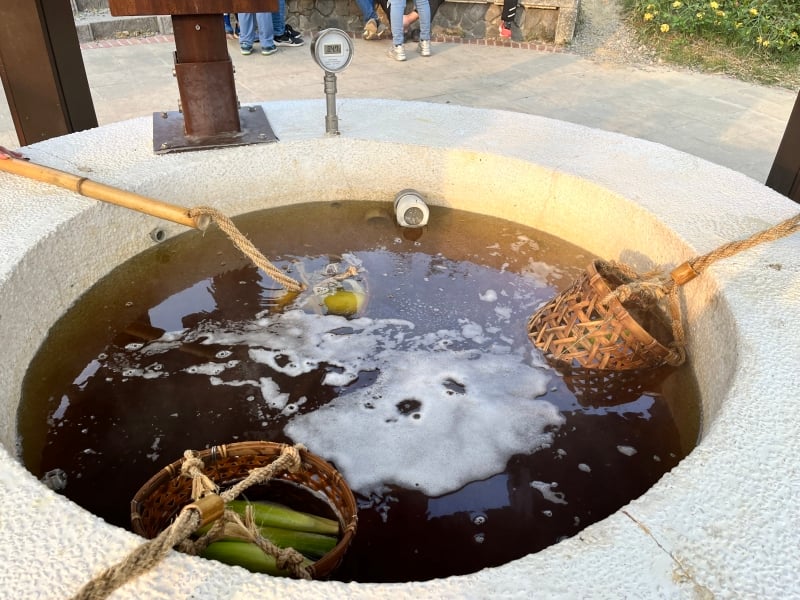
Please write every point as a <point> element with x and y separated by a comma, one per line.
<point>99,191</point>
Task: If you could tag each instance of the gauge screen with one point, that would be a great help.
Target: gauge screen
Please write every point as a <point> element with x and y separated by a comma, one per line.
<point>332,49</point>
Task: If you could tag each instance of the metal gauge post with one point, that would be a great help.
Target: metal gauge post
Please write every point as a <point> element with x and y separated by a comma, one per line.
<point>332,50</point>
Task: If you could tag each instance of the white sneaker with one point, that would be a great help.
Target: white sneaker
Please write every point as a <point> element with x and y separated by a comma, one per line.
<point>397,52</point>
<point>424,47</point>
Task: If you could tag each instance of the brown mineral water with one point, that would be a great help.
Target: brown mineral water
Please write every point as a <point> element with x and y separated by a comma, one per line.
<point>464,447</point>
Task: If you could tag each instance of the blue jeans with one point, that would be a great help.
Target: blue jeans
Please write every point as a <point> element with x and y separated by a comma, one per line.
<point>367,8</point>
<point>247,29</point>
<point>279,19</point>
<point>397,8</point>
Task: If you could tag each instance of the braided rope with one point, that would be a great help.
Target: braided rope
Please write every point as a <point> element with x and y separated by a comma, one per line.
<point>246,246</point>
<point>289,460</point>
<point>141,560</point>
<point>782,229</point>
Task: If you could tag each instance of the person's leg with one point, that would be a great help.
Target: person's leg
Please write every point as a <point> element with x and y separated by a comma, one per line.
<point>384,4</point>
<point>283,32</point>
<point>367,8</point>
<point>397,8</point>
<point>279,19</point>
<point>374,29</point>
<point>424,10</point>
<point>410,18</point>
<point>507,16</point>
<point>266,34</point>
<point>247,31</point>
<point>413,16</point>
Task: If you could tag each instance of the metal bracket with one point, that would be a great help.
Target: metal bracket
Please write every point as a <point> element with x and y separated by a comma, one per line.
<point>169,134</point>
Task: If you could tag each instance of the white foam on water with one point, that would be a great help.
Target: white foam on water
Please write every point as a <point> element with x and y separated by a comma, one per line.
<point>413,429</point>
<point>439,413</point>
<point>626,450</point>
<point>272,394</point>
<point>209,368</point>
<point>524,243</point>
<point>546,490</point>
<point>295,342</point>
<point>472,331</point>
<point>504,312</point>
<point>143,373</point>
<point>232,382</point>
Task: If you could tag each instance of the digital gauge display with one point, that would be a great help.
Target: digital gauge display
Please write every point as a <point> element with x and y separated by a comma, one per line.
<point>332,49</point>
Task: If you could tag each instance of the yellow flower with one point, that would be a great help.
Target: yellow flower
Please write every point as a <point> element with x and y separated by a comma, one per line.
<point>700,15</point>
<point>753,11</point>
<point>648,16</point>
<point>739,25</point>
<point>677,4</point>
<point>720,13</point>
<point>765,43</point>
<point>664,28</point>
<point>714,5</point>
<point>759,39</point>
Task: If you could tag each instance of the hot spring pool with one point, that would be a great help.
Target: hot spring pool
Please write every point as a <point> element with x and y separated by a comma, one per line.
<point>715,524</point>
<point>465,448</point>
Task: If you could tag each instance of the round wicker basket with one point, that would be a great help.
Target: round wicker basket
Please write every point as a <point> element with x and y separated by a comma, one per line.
<point>577,328</point>
<point>159,500</point>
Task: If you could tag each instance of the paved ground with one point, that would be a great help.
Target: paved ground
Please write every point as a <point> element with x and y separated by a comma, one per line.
<point>728,122</point>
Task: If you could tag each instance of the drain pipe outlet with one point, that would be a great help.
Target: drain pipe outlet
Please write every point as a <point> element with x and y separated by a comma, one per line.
<point>410,209</point>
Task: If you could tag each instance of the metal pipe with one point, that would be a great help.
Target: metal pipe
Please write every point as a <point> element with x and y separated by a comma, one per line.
<point>331,120</point>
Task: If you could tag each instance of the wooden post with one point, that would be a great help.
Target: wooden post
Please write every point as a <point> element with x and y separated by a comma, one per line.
<point>209,114</point>
<point>784,177</point>
<point>42,70</point>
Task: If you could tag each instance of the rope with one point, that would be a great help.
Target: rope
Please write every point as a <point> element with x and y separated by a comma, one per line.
<point>289,460</point>
<point>782,229</point>
<point>653,287</point>
<point>246,246</point>
<point>144,558</point>
<point>151,552</point>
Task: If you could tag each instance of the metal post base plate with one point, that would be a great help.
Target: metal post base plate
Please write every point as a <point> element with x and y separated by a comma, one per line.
<point>169,134</point>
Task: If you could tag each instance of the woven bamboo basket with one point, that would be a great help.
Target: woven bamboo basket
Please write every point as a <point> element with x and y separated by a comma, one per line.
<point>159,500</point>
<point>583,327</point>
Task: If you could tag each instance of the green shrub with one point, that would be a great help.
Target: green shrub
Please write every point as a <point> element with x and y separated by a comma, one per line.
<point>773,26</point>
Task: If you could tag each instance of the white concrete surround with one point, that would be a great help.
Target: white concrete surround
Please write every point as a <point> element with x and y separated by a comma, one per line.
<point>724,523</point>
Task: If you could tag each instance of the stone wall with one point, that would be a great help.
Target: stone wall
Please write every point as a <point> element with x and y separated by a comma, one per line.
<point>550,21</point>
<point>537,20</point>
